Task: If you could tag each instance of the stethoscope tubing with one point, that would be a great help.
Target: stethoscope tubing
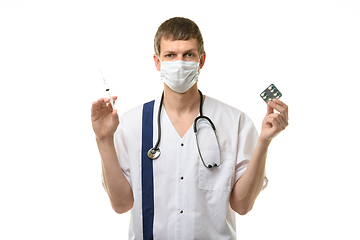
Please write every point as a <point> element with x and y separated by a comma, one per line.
<point>155,152</point>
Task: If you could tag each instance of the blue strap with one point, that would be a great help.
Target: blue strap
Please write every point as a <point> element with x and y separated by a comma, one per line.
<point>147,179</point>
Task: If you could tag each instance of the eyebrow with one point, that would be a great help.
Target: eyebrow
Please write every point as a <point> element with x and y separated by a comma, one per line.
<point>191,50</point>
<point>186,51</point>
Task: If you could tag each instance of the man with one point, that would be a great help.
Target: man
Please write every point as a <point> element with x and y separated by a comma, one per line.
<point>194,187</point>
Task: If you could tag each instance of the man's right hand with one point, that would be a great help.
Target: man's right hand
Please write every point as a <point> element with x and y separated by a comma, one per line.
<point>104,119</point>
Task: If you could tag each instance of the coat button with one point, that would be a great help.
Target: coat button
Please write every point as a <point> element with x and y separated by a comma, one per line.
<point>181,211</point>
<point>182,178</point>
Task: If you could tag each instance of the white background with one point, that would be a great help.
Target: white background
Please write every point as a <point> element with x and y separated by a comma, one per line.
<point>50,55</point>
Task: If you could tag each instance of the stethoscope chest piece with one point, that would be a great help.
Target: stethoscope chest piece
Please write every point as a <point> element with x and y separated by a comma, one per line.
<point>153,153</point>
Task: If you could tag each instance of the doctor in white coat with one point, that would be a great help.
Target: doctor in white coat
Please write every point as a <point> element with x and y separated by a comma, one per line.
<point>177,196</point>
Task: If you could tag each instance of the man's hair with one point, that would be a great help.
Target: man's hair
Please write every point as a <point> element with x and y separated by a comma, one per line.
<point>178,28</point>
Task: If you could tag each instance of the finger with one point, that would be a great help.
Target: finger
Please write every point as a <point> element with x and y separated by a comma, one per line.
<point>115,117</point>
<point>107,100</point>
<point>273,103</point>
<point>114,99</point>
<point>99,108</point>
<point>101,103</point>
<point>279,118</point>
<point>277,101</point>
<point>281,108</point>
<point>96,105</point>
<point>273,123</point>
<point>277,124</point>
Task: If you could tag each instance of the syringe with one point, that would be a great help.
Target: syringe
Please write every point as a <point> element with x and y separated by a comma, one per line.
<point>108,91</point>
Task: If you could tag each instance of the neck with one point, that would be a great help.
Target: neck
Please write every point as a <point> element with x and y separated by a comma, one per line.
<point>181,102</point>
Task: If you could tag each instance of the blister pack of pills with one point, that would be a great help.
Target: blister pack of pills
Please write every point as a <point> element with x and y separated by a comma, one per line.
<point>270,92</point>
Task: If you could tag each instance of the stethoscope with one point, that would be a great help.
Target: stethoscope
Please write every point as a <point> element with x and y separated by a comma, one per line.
<point>154,152</point>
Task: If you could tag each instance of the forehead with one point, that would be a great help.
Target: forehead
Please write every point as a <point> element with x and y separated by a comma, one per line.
<point>167,45</point>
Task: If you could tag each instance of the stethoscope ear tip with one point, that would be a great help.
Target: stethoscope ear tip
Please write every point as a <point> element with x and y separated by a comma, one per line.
<point>212,166</point>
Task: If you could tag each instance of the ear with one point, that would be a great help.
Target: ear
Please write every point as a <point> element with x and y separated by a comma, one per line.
<point>157,62</point>
<point>202,60</point>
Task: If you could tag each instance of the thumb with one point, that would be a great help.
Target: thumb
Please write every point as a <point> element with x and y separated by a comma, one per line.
<point>115,117</point>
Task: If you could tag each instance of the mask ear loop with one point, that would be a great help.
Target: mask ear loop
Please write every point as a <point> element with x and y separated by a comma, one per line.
<point>160,61</point>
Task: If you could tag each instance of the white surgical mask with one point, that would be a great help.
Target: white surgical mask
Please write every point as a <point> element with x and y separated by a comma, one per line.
<point>179,75</point>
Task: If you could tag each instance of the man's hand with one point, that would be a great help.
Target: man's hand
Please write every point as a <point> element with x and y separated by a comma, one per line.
<point>104,120</point>
<point>274,123</point>
<point>248,187</point>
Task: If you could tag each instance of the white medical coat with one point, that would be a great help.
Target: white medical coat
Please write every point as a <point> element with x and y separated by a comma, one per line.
<point>190,201</point>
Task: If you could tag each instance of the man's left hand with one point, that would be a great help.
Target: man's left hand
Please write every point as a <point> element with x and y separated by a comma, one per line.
<point>274,123</point>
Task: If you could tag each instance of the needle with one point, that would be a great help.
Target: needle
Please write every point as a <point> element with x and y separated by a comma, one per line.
<point>108,91</point>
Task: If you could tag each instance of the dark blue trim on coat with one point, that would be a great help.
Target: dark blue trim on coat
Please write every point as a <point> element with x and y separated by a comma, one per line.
<point>147,178</point>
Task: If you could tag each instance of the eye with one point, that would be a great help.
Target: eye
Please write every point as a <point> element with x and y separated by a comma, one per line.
<point>189,55</point>
<point>169,55</point>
